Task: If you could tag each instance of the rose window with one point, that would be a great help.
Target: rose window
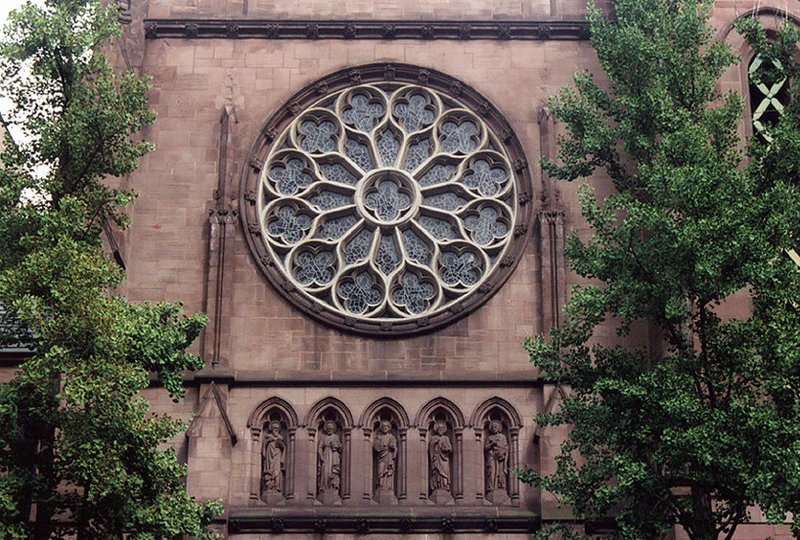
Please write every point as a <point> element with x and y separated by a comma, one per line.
<point>385,206</point>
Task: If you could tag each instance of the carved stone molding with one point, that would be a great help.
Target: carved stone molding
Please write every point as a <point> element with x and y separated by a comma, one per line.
<point>373,29</point>
<point>397,519</point>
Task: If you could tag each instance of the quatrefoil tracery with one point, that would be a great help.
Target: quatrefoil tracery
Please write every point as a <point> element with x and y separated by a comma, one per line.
<point>387,202</point>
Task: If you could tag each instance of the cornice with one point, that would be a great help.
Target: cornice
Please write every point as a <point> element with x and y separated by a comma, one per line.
<point>382,379</point>
<point>537,30</point>
<point>395,519</point>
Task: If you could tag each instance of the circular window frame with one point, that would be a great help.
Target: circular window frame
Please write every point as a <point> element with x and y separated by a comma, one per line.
<point>386,73</point>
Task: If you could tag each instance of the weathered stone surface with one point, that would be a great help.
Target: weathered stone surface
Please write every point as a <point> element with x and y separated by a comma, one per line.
<point>276,363</point>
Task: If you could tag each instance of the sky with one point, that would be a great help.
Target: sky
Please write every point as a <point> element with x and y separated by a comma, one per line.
<point>5,7</point>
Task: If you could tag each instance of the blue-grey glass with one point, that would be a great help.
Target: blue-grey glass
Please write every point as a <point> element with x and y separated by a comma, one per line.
<point>357,249</point>
<point>485,179</point>
<point>290,177</point>
<point>415,114</point>
<point>328,200</point>
<point>486,226</point>
<point>459,137</point>
<point>387,201</point>
<point>333,229</point>
<point>359,153</point>
<point>315,268</point>
<point>417,249</point>
<point>461,269</point>
<point>318,137</point>
<point>387,258</point>
<point>417,154</point>
<point>388,148</point>
<point>439,228</point>
<point>338,173</point>
<point>359,294</point>
<point>363,114</point>
<point>448,201</point>
<point>413,294</point>
<point>438,174</point>
<point>290,226</point>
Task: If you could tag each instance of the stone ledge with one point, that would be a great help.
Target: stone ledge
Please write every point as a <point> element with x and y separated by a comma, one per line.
<point>366,29</point>
<point>517,378</point>
<point>383,519</point>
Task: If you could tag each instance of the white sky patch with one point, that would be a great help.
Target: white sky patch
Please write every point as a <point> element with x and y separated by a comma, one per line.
<point>6,6</point>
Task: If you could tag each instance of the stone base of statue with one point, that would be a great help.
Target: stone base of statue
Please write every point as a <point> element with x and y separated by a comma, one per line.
<point>441,497</point>
<point>273,497</point>
<point>385,497</point>
<point>329,497</point>
<point>498,496</point>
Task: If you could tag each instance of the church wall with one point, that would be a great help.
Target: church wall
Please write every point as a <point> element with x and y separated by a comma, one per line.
<point>192,81</point>
<point>371,9</point>
<point>269,351</point>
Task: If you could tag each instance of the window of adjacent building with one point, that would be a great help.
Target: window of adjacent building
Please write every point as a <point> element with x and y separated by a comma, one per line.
<point>769,93</point>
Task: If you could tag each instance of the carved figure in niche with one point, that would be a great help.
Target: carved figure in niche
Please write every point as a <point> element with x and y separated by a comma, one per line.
<point>440,449</point>
<point>329,472</point>
<point>496,449</point>
<point>274,459</point>
<point>385,450</point>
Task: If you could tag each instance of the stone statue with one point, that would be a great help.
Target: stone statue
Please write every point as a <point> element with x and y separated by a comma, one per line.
<point>496,448</point>
<point>274,459</point>
<point>385,450</point>
<point>329,455</point>
<point>439,450</point>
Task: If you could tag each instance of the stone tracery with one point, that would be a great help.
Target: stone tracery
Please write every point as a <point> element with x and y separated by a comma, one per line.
<point>387,202</point>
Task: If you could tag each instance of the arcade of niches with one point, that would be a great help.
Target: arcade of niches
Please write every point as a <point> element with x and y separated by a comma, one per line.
<point>350,190</point>
<point>375,446</point>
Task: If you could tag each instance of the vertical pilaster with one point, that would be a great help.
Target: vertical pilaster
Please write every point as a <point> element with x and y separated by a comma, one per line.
<point>458,466</point>
<point>402,495</point>
<point>222,224</point>
<point>254,468</point>
<point>307,470</point>
<point>418,461</point>
<point>346,472</point>
<point>554,274</point>
<point>366,465</point>
<point>514,480</point>
<point>290,465</point>
<point>473,469</point>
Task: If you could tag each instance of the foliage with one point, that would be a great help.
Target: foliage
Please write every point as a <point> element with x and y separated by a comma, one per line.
<point>697,425</point>
<point>76,439</point>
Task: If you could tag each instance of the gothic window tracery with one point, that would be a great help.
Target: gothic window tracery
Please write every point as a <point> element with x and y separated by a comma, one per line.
<point>386,203</point>
<point>769,93</point>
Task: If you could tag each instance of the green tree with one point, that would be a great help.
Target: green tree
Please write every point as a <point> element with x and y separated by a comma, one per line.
<point>79,449</point>
<point>698,429</point>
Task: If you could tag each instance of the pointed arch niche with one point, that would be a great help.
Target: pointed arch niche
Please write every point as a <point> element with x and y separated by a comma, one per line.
<point>759,102</point>
<point>497,424</point>
<point>330,424</point>
<point>437,420</point>
<point>273,426</point>
<point>385,426</point>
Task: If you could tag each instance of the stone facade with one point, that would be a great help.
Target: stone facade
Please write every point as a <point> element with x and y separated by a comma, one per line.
<point>302,428</point>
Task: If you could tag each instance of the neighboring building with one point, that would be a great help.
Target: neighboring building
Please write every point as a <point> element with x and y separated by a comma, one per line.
<point>350,189</point>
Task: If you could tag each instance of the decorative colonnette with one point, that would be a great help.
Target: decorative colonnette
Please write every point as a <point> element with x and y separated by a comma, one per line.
<point>387,199</point>
<point>380,453</point>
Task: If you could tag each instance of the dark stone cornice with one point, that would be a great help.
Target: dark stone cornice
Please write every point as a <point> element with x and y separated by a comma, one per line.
<point>366,29</point>
<point>382,379</point>
<point>394,519</point>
